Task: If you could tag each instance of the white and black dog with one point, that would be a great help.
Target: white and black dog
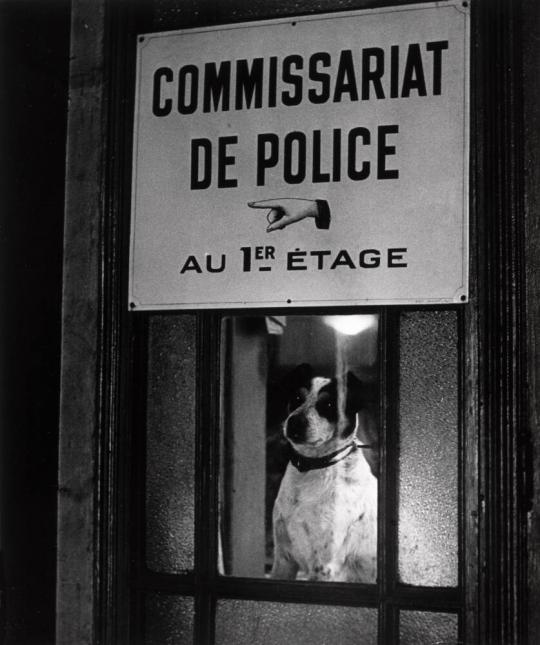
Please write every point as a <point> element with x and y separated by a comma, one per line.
<point>325,514</point>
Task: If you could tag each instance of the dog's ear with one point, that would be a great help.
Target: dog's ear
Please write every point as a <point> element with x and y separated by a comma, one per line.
<point>300,377</point>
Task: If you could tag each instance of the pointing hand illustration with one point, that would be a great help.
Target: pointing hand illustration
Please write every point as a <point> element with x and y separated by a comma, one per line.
<point>284,211</point>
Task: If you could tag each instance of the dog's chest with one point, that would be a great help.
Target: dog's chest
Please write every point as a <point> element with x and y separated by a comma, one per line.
<point>329,514</point>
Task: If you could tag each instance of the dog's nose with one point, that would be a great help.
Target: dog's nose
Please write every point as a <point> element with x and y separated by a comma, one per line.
<point>296,428</point>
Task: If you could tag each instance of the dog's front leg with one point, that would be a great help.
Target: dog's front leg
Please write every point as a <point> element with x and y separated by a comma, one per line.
<point>284,566</point>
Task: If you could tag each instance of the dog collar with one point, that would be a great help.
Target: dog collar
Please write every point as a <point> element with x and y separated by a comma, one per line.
<point>303,464</point>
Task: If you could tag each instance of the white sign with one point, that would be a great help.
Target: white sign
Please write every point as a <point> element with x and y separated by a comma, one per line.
<point>320,160</point>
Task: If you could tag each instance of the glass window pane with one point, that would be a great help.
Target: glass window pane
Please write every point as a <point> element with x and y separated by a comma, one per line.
<point>314,377</point>
<point>169,620</point>
<point>170,449</point>
<point>271,623</point>
<point>428,444</point>
<point>426,628</point>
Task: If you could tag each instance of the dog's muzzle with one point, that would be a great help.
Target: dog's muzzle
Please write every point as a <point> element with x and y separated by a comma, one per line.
<point>296,428</point>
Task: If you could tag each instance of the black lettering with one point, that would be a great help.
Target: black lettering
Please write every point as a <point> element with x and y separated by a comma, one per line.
<point>294,258</point>
<point>383,150</point>
<point>159,108</point>
<point>290,139</point>
<point>225,160</point>
<point>353,173</point>
<point>212,269</point>
<point>394,257</point>
<point>191,264</point>
<point>372,75</point>
<point>345,78</point>
<point>413,76</point>
<point>272,81</point>
<point>249,83</point>
<point>437,48</point>
<point>288,97</point>
<point>320,257</point>
<point>319,77</point>
<point>187,98</point>
<point>318,175</point>
<point>246,260</point>
<point>343,259</point>
<point>265,160</point>
<point>217,86</point>
<point>371,262</point>
<point>336,155</point>
<point>205,145</point>
<point>394,72</point>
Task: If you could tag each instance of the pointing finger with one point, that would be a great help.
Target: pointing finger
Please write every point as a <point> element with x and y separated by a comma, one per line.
<point>266,203</point>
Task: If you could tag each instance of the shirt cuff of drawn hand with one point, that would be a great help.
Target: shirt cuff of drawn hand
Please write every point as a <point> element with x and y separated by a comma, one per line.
<point>322,218</point>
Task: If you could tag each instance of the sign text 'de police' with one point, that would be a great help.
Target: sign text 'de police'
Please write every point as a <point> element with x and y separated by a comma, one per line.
<point>315,161</point>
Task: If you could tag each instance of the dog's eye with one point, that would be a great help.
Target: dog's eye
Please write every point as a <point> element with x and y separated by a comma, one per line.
<point>326,406</point>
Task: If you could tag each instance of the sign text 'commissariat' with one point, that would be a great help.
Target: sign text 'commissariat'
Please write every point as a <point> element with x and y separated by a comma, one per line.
<point>372,73</point>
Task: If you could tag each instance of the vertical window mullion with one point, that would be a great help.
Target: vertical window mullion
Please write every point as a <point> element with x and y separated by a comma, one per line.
<point>207,471</point>
<point>465,488</point>
<point>138,420</point>
<point>388,445</point>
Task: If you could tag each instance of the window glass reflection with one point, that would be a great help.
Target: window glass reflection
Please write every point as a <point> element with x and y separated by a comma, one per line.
<point>299,447</point>
<point>168,620</point>
<point>170,444</point>
<point>428,628</point>
<point>428,458</point>
<point>270,623</point>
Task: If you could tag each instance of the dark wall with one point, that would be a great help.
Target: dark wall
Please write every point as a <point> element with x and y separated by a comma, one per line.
<point>34,56</point>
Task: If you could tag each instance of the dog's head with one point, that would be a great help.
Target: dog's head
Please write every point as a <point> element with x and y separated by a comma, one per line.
<point>323,412</point>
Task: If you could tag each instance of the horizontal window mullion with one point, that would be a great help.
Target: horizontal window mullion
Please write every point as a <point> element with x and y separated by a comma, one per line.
<point>432,598</point>
<point>326,593</point>
<point>308,591</point>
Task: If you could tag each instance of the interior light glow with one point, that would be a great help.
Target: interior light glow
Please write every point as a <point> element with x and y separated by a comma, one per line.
<point>351,325</point>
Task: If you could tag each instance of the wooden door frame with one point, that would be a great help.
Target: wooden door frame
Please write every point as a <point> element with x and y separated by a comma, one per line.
<point>94,445</point>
